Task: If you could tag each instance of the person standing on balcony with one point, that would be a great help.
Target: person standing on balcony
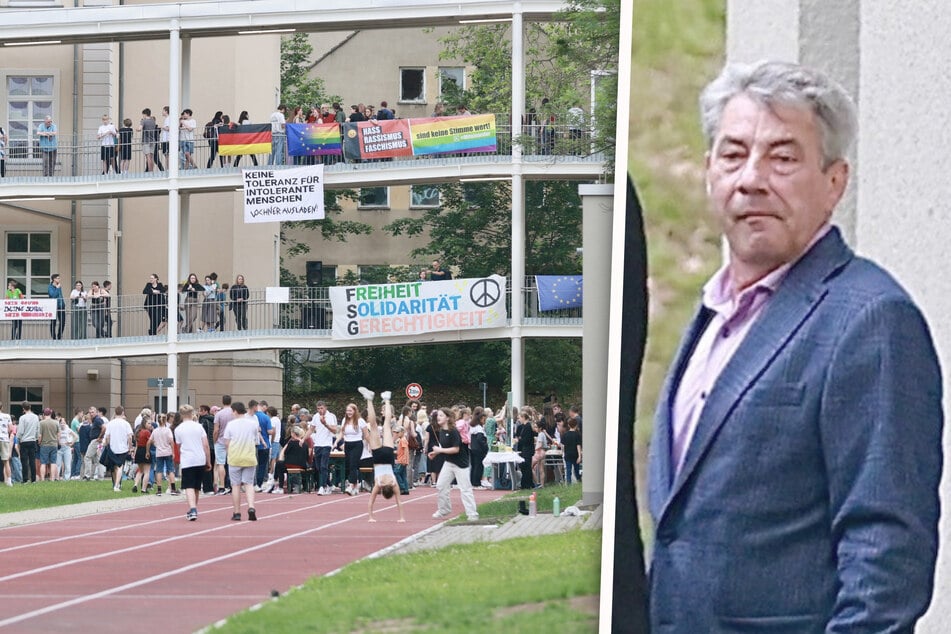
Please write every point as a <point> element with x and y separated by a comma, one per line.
<point>107,135</point>
<point>55,291</point>
<point>78,297</point>
<point>46,131</point>
<point>97,305</point>
<point>4,139</point>
<point>149,129</point>
<point>14,292</point>
<point>155,302</point>
<point>211,133</point>
<point>186,139</point>
<point>278,136</point>
<point>106,308</point>
<point>243,119</point>
<point>209,305</point>
<point>239,303</point>
<point>192,290</point>
<point>438,274</point>
<point>163,137</point>
<point>125,145</point>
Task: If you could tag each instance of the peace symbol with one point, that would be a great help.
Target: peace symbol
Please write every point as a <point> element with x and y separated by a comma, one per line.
<point>485,292</point>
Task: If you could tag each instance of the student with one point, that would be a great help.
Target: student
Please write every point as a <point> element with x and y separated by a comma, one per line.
<point>242,437</point>
<point>456,466</point>
<point>195,457</point>
<point>382,449</point>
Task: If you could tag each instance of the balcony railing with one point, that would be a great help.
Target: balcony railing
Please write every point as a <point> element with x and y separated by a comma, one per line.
<point>82,157</point>
<point>308,309</point>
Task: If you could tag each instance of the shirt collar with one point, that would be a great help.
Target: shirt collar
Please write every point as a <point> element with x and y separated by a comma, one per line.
<point>718,292</point>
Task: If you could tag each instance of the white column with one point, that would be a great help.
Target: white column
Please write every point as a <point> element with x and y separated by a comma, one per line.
<point>174,105</point>
<point>184,238</point>
<point>518,209</point>
<point>597,203</point>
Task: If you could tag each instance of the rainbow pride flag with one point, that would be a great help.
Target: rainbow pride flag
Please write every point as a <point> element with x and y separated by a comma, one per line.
<point>440,135</point>
<point>313,139</point>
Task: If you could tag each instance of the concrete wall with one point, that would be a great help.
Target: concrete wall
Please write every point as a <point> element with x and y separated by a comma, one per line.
<point>884,53</point>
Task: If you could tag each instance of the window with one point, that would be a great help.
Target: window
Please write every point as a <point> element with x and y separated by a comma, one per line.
<point>329,274</point>
<point>375,274</point>
<point>29,261</point>
<point>374,197</point>
<point>452,80</point>
<point>423,196</point>
<point>29,101</point>
<point>32,394</point>
<point>413,85</point>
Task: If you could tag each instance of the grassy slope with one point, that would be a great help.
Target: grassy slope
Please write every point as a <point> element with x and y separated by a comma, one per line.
<point>678,47</point>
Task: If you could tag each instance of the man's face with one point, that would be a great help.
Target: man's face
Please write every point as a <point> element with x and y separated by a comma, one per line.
<point>48,120</point>
<point>435,265</point>
<point>767,185</point>
<point>321,409</point>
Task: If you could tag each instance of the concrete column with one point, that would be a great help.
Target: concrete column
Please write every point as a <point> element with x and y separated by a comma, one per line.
<point>597,203</point>
<point>518,209</point>
<point>903,190</point>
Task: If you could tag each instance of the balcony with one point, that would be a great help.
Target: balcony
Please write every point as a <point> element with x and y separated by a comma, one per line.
<point>559,151</point>
<point>304,322</point>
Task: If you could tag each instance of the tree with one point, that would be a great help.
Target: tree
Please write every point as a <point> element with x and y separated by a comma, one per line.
<point>298,88</point>
<point>471,229</point>
<point>560,57</point>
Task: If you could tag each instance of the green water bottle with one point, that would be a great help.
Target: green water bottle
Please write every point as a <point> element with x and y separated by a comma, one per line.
<point>556,507</point>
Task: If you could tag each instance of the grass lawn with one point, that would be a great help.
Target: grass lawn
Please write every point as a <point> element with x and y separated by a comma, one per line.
<point>534,584</point>
<point>519,585</point>
<point>41,495</point>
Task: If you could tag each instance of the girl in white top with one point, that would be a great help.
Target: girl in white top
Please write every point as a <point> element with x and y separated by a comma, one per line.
<point>352,433</point>
<point>383,452</point>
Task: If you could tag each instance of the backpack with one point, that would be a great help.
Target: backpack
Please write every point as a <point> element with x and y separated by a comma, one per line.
<point>210,130</point>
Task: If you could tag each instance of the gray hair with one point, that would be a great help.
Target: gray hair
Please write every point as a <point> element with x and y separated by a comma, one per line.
<point>789,84</point>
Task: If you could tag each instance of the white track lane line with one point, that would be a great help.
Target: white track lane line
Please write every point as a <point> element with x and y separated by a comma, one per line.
<point>70,562</point>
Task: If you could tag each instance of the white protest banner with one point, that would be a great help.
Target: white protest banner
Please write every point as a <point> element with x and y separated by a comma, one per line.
<point>284,195</point>
<point>380,310</point>
<point>28,309</point>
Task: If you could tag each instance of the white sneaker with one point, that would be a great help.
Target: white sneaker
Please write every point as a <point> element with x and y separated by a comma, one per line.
<point>277,491</point>
<point>257,489</point>
<point>117,489</point>
<point>386,395</point>
<point>365,393</point>
<point>9,483</point>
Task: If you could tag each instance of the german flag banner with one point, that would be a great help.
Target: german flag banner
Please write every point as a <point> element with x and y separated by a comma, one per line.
<point>313,139</point>
<point>244,139</point>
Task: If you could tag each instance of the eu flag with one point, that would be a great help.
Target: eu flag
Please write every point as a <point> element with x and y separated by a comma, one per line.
<point>558,291</point>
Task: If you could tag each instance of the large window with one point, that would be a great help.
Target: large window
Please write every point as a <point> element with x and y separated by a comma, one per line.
<point>374,197</point>
<point>413,85</point>
<point>29,101</point>
<point>423,196</point>
<point>18,394</point>
<point>29,261</point>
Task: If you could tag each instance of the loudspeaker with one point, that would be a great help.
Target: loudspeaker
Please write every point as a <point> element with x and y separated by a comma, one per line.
<point>315,273</point>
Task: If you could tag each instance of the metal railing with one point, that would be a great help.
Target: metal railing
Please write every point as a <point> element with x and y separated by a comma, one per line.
<point>82,157</point>
<point>307,309</point>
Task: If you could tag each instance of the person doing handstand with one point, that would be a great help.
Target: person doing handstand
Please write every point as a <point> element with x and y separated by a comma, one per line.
<point>384,454</point>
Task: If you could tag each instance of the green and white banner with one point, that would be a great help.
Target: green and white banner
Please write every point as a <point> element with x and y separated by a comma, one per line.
<point>411,308</point>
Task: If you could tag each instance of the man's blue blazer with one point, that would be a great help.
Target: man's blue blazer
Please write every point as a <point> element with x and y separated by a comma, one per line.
<point>808,498</point>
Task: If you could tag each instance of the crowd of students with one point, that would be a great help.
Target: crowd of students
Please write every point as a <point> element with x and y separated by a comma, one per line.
<point>252,445</point>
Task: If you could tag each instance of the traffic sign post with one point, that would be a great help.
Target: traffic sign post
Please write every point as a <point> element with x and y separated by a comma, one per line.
<point>414,391</point>
<point>162,384</point>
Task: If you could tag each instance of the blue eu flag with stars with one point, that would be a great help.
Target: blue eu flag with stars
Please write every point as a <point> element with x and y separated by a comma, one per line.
<point>559,291</point>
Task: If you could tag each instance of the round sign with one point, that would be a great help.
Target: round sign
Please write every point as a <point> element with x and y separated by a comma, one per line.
<point>414,390</point>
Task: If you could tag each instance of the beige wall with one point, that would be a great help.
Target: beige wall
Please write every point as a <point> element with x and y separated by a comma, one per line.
<point>228,74</point>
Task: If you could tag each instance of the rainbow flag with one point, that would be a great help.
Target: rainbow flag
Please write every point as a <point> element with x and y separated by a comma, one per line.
<point>439,135</point>
<point>244,139</point>
<point>313,139</point>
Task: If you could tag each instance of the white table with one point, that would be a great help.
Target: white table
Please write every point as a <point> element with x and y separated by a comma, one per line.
<point>499,458</point>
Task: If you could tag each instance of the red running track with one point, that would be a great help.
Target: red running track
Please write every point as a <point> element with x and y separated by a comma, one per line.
<point>108,572</point>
